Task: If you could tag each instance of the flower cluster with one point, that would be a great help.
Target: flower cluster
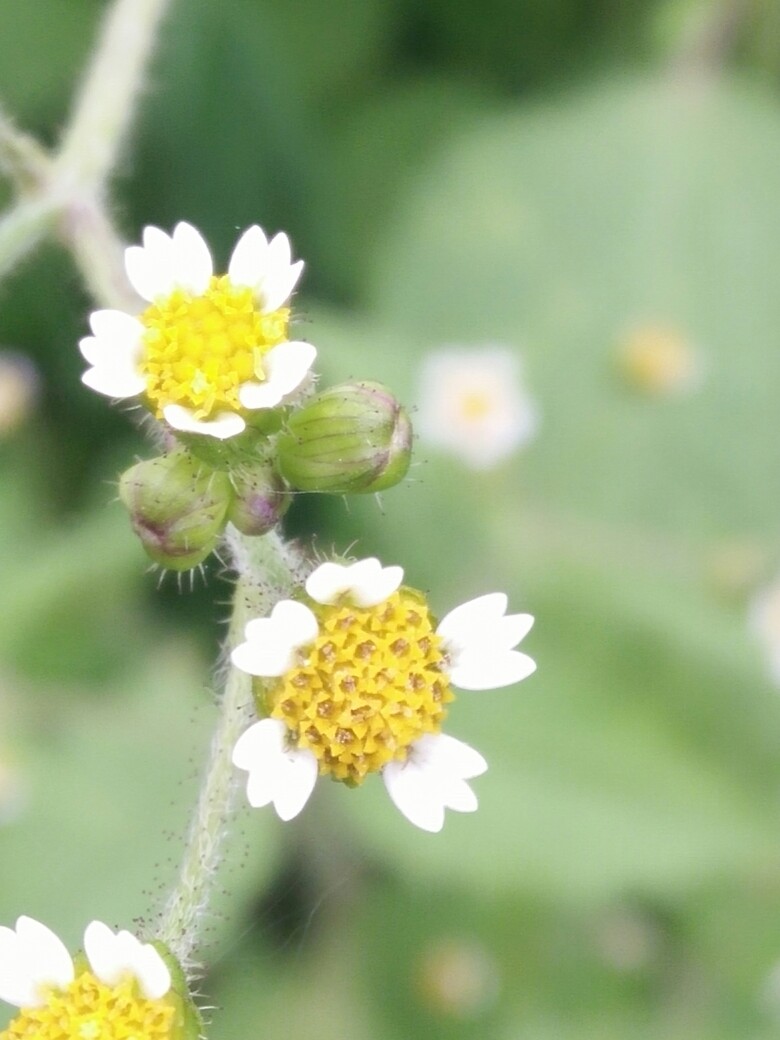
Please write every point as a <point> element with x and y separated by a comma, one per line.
<point>352,674</point>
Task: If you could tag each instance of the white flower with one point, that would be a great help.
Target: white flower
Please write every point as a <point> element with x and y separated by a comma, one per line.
<point>472,403</point>
<point>208,349</point>
<point>764,618</point>
<point>33,961</point>
<point>357,683</point>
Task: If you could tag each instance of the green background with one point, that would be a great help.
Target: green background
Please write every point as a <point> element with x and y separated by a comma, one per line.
<point>537,174</point>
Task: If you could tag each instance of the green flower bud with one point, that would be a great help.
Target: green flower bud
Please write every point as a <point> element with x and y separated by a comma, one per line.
<point>351,438</point>
<point>261,498</point>
<point>178,507</point>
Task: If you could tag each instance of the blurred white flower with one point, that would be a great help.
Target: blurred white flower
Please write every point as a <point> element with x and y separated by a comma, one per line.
<point>356,680</point>
<point>209,349</point>
<point>121,991</point>
<point>457,978</point>
<point>764,619</point>
<point>473,404</point>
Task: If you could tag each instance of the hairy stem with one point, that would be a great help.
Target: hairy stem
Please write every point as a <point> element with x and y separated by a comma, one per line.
<point>105,105</point>
<point>269,571</point>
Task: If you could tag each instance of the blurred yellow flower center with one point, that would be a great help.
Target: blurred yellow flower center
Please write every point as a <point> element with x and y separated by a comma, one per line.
<point>89,1010</point>
<point>475,405</point>
<point>198,350</point>
<point>657,360</point>
<point>368,687</point>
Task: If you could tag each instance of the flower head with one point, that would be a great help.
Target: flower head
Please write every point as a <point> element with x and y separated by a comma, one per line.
<point>119,988</point>
<point>208,349</point>
<point>357,679</point>
<point>473,404</point>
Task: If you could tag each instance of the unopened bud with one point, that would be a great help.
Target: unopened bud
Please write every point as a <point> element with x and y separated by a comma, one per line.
<point>261,499</point>
<point>178,507</point>
<point>351,438</point>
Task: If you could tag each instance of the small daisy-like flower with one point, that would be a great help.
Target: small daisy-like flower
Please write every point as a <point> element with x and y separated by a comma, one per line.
<point>119,988</point>
<point>357,679</point>
<point>764,617</point>
<point>209,349</point>
<point>473,404</point>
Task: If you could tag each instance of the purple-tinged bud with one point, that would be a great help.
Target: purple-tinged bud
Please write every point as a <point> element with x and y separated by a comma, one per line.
<point>178,507</point>
<point>261,498</point>
<point>352,438</point>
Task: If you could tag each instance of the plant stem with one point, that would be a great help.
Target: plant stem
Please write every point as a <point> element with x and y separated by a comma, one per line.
<point>272,574</point>
<point>22,228</point>
<point>105,105</point>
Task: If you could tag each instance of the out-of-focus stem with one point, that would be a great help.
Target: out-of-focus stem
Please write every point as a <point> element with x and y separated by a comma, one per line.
<point>98,251</point>
<point>22,227</point>
<point>105,105</point>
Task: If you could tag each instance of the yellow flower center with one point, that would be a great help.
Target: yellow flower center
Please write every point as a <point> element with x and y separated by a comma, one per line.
<point>657,360</point>
<point>475,405</point>
<point>198,350</point>
<point>89,1010</point>
<point>367,688</point>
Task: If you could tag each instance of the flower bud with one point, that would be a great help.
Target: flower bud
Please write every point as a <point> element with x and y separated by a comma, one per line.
<point>178,507</point>
<point>261,498</point>
<point>355,437</point>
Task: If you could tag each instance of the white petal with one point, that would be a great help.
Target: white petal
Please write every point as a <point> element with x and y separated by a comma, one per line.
<point>478,670</point>
<point>366,582</point>
<point>413,796</point>
<point>45,956</point>
<point>269,650</point>
<point>457,626</point>
<point>286,366</point>
<point>150,267</point>
<point>223,426</point>
<point>295,783</point>
<point>103,952</point>
<point>279,251</point>
<point>277,287</point>
<point>458,796</point>
<point>192,260</point>
<point>446,754</point>
<point>372,583</point>
<point>112,957</point>
<point>295,621</point>
<point>17,986</point>
<point>118,383</point>
<point>248,262</point>
<point>116,327</point>
<point>153,974</point>
<point>277,773</point>
<point>259,744</point>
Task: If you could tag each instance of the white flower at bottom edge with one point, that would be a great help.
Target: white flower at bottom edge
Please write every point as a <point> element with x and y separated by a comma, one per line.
<point>475,651</point>
<point>119,351</point>
<point>33,959</point>
<point>473,404</point>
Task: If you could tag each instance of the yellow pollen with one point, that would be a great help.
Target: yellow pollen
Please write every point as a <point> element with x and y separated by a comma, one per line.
<point>198,350</point>
<point>89,1010</point>
<point>369,686</point>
